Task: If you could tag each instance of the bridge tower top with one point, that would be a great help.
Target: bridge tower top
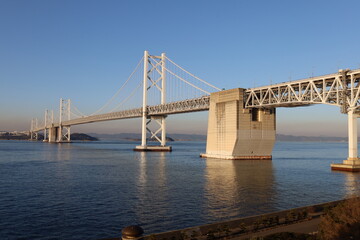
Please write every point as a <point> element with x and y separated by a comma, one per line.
<point>65,110</point>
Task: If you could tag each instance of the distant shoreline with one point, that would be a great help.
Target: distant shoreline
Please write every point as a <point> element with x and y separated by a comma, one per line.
<point>197,137</point>
<point>26,137</point>
<point>135,137</point>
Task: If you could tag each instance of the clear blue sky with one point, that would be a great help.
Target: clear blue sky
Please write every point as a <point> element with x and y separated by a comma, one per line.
<point>84,50</point>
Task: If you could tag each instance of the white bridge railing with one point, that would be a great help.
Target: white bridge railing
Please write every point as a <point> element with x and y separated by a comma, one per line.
<point>189,105</point>
<point>340,89</point>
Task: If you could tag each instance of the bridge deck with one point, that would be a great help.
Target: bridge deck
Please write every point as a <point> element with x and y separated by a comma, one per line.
<point>340,89</point>
<point>189,105</point>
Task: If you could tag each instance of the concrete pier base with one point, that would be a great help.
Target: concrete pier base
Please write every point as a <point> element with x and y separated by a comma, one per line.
<point>153,148</point>
<point>352,164</point>
<point>237,133</point>
<point>349,165</point>
<point>230,157</point>
<point>53,134</point>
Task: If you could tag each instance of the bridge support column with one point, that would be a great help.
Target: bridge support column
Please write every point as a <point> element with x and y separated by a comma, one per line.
<point>53,133</point>
<point>63,137</point>
<point>65,113</point>
<point>45,135</point>
<point>238,133</point>
<point>59,134</point>
<point>34,136</point>
<point>155,135</point>
<point>352,164</point>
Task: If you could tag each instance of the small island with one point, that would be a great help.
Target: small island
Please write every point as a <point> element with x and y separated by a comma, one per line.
<point>26,136</point>
<point>82,137</point>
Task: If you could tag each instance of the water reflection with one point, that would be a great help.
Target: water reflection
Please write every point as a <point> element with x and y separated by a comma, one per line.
<point>152,188</point>
<point>57,151</point>
<point>352,184</point>
<point>238,188</point>
<point>154,172</point>
<point>142,169</point>
<point>72,191</point>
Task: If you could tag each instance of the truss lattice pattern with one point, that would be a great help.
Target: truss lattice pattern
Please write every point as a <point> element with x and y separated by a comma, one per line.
<point>189,105</point>
<point>340,89</point>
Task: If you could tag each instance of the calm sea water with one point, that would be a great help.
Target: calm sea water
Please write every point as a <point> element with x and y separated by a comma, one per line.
<point>91,190</point>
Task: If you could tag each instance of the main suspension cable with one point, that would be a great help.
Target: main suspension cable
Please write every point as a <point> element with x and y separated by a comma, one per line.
<point>131,94</point>
<point>203,81</point>
<point>202,90</point>
<point>118,91</point>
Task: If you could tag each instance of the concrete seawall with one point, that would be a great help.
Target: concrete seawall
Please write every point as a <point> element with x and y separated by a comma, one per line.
<point>243,226</point>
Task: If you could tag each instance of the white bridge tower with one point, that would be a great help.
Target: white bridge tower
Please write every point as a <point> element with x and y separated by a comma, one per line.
<point>64,130</point>
<point>154,77</point>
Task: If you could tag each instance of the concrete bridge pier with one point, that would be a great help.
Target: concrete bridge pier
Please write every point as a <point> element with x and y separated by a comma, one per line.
<point>45,135</point>
<point>235,132</point>
<point>34,136</point>
<point>352,164</point>
<point>53,134</point>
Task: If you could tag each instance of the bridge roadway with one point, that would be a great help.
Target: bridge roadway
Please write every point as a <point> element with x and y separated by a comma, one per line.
<point>189,105</point>
<point>340,89</point>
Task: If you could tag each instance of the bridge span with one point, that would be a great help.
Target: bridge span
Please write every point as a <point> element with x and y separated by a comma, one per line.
<point>241,122</point>
<point>186,106</point>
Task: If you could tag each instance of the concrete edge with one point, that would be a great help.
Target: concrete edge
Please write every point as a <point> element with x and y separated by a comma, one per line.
<point>229,157</point>
<point>235,227</point>
<point>153,149</point>
<point>345,167</point>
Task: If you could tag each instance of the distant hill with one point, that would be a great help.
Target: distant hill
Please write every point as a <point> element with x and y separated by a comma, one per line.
<point>23,136</point>
<point>170,137</point>
<point>137,137</point>
<point>197,137</point>
<point>82,137</point>
<point>291,138</point>
<point>10,136</point>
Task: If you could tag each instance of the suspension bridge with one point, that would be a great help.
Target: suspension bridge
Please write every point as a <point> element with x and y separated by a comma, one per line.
<point>241,122</point>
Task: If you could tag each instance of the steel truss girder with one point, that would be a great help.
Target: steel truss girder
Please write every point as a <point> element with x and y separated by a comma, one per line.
<point>189,105</point>
<point>339,89</point>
